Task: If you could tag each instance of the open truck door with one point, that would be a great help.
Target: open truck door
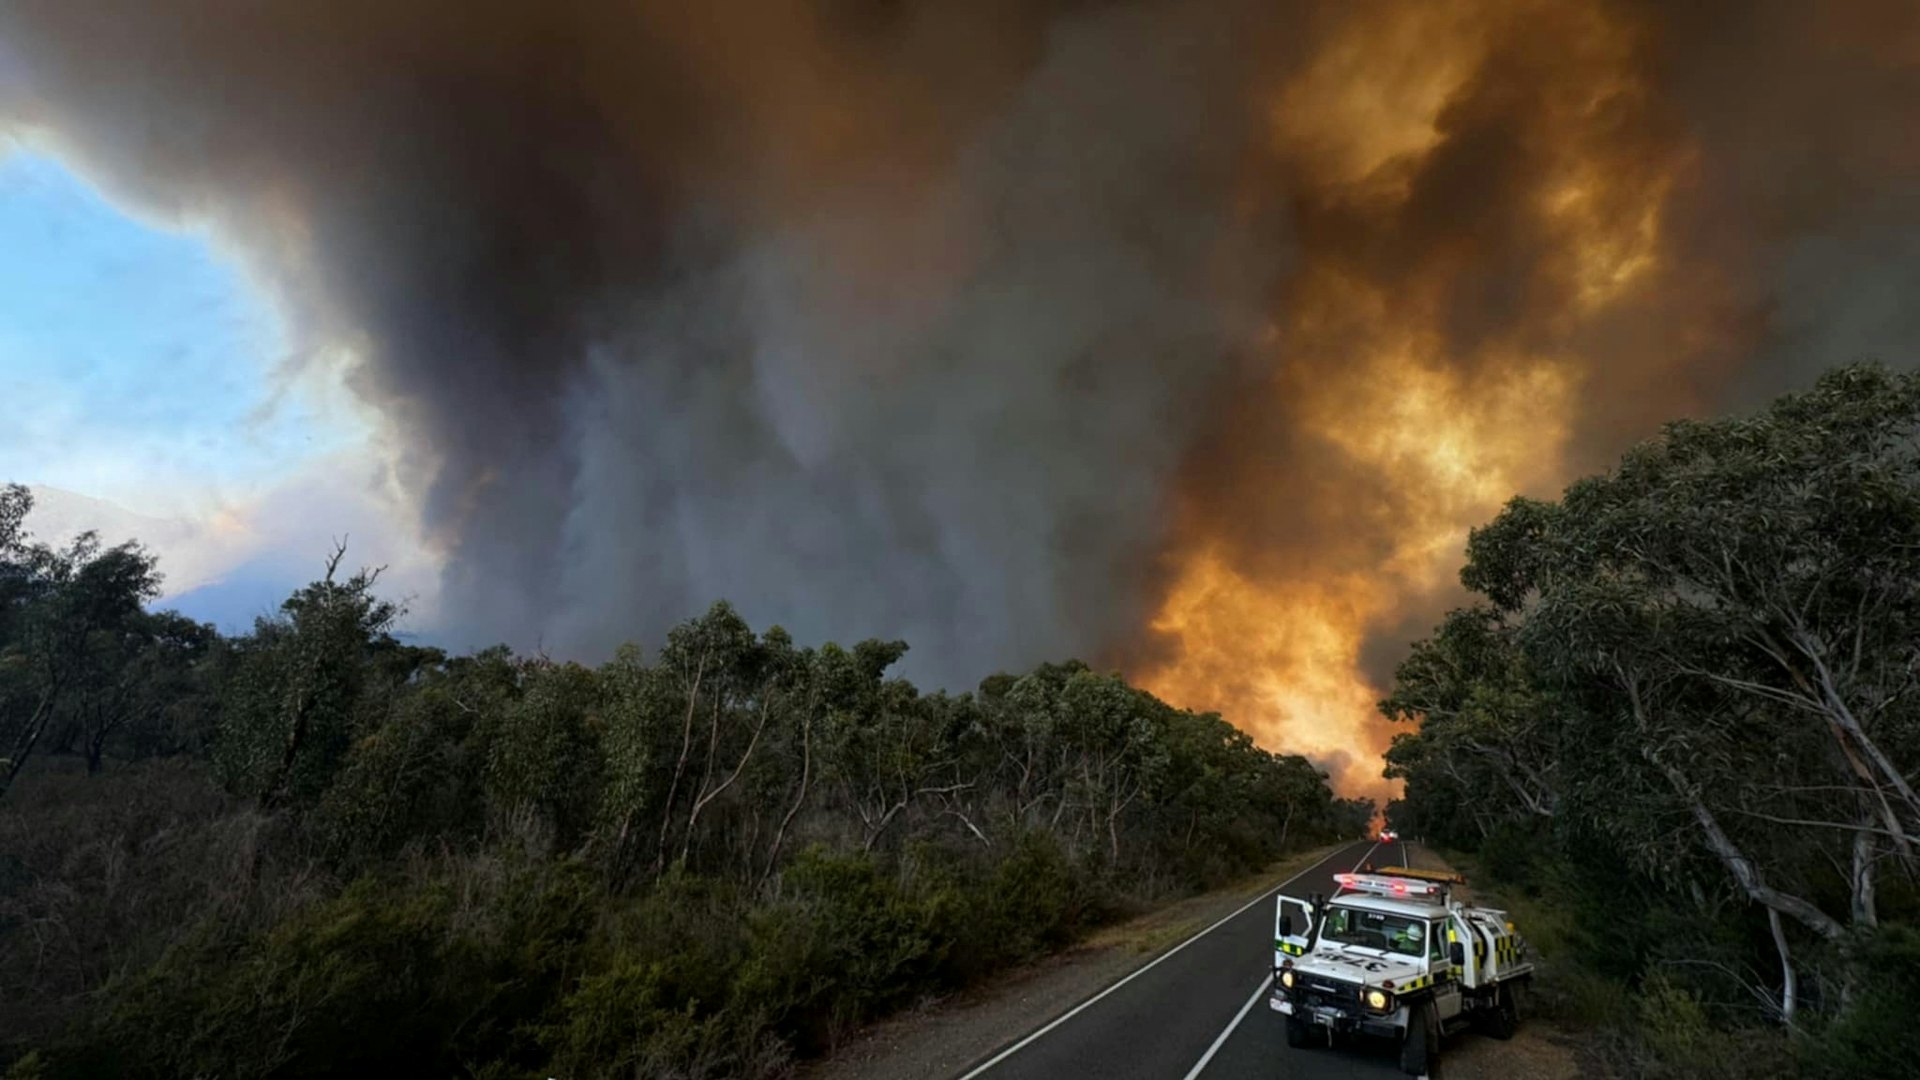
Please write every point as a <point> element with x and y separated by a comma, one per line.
<point>1293,927</point>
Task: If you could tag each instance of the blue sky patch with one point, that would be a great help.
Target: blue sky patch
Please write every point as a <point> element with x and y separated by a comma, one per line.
<point>137,364</point>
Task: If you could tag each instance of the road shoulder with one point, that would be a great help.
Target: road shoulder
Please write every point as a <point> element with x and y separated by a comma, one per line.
<point>1540,1050</point>
<point>942,1037</point>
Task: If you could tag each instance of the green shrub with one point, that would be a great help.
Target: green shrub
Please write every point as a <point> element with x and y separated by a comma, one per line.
<point>1512,855</point>
<point>1036,902</point>
<point>423,973</point>
<point>840,945</point>
<point>290,1003</point>
<point>1876,1035</point>
<point>653,994</point>
<point>636,1018</point>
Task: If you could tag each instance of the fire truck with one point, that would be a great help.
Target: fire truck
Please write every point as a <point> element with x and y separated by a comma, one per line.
<point>1393,954</point>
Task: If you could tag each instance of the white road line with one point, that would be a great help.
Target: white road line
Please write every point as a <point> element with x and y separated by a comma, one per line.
<point>1267,980</point>
<point>1077,1009</point>
<point>1237,1017</point>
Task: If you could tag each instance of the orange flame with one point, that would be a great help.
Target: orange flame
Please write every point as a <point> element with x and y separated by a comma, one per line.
<point>1419,432</point>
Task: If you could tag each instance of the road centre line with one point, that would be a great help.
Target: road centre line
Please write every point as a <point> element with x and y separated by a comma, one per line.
<point>1363,859</point>
<point>1077,1009</point>
<point>1265,981</point>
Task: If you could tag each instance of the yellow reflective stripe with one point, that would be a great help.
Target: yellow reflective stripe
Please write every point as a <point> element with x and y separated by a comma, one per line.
<point>1421,982</point>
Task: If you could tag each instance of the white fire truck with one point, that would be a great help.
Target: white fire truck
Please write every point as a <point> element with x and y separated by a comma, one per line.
<point>1391,953</point>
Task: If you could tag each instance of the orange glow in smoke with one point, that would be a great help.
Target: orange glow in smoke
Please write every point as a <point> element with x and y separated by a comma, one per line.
<point>1436,438</point>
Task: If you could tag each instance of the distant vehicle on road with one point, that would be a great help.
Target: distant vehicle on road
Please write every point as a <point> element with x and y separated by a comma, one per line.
<point>1388,836</point>
<point>1393,954</point>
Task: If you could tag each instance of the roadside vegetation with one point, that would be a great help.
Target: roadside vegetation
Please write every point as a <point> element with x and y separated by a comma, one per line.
<point>318,850</point>
<point>1679,729</point>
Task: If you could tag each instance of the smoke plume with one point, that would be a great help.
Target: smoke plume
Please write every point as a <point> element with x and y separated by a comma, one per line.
<point>1189,337</point>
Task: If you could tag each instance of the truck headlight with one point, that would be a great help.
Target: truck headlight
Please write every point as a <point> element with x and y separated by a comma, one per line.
<point>1286,979</point>
<point>1378,1000</point>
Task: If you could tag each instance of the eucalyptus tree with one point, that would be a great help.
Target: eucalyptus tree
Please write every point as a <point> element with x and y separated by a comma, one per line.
<point>292,704</point>
<point>1484,719</point>
<point>57,607</point>
<point>1712,652</point>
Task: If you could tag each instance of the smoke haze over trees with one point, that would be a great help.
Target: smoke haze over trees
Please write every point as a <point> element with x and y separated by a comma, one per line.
<point>1189,335</point>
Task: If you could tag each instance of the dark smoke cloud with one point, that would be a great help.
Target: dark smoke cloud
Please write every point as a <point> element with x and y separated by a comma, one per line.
<point>1803,203</point>
<point>944,320</point>
<point>875,318</point>
<point>954,418</point>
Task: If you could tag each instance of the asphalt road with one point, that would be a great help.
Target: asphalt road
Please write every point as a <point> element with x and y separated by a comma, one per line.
<point>1199,1009</point>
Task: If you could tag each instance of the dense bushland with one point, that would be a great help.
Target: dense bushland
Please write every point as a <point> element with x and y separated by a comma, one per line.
<point>1682,723</point>
<point>316,849</point>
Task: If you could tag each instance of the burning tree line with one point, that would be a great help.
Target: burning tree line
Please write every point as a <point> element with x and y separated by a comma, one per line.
<point>1695,681</point>
<point>699,862</point>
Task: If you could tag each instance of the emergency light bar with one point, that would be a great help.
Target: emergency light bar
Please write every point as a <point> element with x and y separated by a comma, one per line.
<point>1384,885</point>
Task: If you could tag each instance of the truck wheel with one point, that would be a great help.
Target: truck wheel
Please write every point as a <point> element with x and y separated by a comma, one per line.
<point>1504,1018</point>
<point>1420,1046</point>
<point>1299,1033</point>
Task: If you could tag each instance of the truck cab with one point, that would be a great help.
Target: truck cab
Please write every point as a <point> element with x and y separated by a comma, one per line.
<point>1391,954</point>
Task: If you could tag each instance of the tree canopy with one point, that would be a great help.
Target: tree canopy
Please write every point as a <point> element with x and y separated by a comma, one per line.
<point>1707,661</point>
<point>701,859</point>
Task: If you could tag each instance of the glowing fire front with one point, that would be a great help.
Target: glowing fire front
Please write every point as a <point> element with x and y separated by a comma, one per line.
<point>1472,186</point>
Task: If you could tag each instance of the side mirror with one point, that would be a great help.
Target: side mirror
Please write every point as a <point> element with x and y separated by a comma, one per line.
<point>1286,926</point>
<point>1457,953</point>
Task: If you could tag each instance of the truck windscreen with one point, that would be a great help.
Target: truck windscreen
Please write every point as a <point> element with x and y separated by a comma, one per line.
<point>1376,930</point>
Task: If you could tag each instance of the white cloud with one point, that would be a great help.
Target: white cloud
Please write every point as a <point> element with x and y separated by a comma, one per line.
<point>279,539</point>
